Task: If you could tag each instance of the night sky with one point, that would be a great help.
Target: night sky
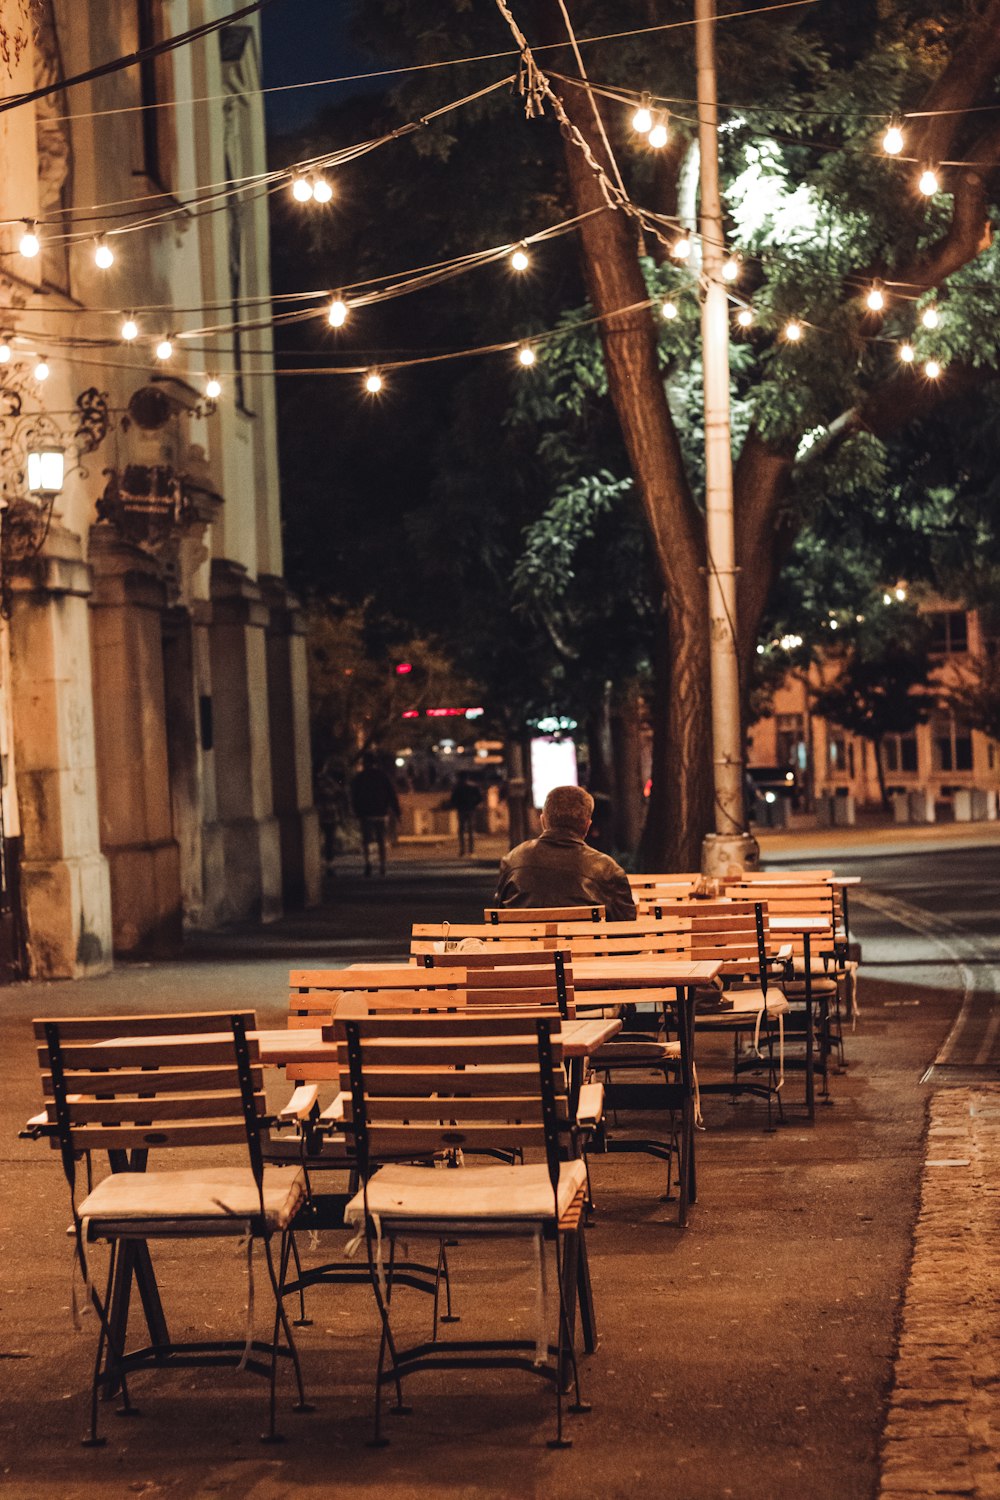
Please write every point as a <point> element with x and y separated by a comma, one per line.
<point>305,39</point>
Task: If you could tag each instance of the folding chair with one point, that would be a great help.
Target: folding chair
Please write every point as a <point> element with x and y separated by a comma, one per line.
<point>134,1083</point>
<point>421,1084</point>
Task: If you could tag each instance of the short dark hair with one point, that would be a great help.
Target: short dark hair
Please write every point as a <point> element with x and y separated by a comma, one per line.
<point>569,807</point>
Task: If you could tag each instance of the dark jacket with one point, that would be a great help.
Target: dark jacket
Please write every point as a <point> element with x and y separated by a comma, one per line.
<point>559,869</point>
<point>373,794</point>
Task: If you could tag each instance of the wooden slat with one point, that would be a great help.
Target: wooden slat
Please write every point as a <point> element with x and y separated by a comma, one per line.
<point>159,1080</point>
<point>517,1026</point>
<point>412,976</point>
<point>135,1052</point>
<point>452,1051</point>
<point>501,1109</point>
<point>137,1137</point>
<point>478,1082</point>
<point>149,1111</point>
<point>99,1028</point>
<point>495,914</point>
<point>424,1140</point>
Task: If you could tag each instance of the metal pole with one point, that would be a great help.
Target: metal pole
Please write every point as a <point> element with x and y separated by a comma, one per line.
<point>730,845</point>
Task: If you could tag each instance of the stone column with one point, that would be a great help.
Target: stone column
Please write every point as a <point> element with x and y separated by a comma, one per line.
<point>64,875</point>
<point>291,750</point>
<point>241,736</point>
<point>137,832</point>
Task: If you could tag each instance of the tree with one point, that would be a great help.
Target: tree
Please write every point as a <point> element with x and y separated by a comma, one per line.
<point>880,687</point>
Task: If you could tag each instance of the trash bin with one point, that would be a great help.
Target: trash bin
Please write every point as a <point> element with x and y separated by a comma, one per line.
<point>984,804</point>
<point>770,810</point>
<point>962,805</point>
<point>900,807</point>
<point>842,813</point>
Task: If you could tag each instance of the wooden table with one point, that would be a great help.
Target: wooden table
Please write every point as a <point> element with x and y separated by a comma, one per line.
<point>287,1045</point>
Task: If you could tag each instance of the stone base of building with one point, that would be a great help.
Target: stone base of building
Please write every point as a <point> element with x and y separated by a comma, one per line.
<point>68,908</point>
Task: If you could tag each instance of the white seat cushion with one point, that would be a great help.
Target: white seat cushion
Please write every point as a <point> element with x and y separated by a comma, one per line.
<point>744,1005</point>
<point>209,1194</point>
<point>401,1192</point>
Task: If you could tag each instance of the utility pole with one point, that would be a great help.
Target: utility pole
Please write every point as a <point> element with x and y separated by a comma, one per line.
<point>730,845</point>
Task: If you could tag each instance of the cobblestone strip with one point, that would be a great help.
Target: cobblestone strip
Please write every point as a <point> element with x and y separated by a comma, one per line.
<point>942,1436</point>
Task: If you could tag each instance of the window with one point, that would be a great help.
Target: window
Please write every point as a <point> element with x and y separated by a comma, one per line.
<point>949,631</point>
<point>899,753</point>
<point>155,89</point>
<point>952,746</point>
<point>841,755</point>
<point>791,741</point>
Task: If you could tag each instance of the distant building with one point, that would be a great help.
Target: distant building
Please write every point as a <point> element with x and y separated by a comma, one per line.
<point>153,711</point>
<point>955,768</point>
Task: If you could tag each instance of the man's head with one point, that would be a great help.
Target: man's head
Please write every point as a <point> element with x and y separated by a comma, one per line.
<point>568,809</point>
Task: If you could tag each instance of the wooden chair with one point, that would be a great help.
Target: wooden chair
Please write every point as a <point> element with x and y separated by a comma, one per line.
<point>130,1084</point>
<point>497,914</point>
<point>423,1084</point>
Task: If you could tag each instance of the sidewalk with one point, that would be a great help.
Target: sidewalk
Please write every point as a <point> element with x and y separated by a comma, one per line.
<point>749,1356</point>
<point>873,838</point>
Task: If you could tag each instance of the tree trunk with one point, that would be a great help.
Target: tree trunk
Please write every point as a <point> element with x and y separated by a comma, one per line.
<point>610,243</point>
<point>626,796</point>
<point>880,771</point>
<point>599,747</point>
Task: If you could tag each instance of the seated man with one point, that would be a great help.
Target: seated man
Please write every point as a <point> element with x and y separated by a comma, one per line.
<point>559,869</point>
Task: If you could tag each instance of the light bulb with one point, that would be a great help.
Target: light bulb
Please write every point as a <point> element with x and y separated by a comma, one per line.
<point>519,260</point>
<point>104,256</point>
<point>892,141</point>
<point>322,191</point>
<point>130,330</point>
<point>373,382</point>
<point>928,183</point>
<point>900,592</point>
<point>669,311</point>
<point>642,120</point>
<point>932,369</point>
<point>337,315</point>
<point>302,189</point>
<point>875,300</point>
<point>41,370</point>
<point>526,354</point>
<point>4,352</point>
<point>907,354</point>
<point>886,598</point>
<point>164,349</point>
<point>730,269</point>
<point>793,331</point>
<point>658,136</point>
<point>213,388</point>
<point>745,317</point>
<point>930,317</point>
<point>681,248</point>
<point>29,245</point>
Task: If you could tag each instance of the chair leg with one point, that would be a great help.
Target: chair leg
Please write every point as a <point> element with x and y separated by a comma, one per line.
<point>301,1321</point>
<point>105,1340</point>
<point>281,1323</point>
<point>386,1343</point>
<point>564,1351</point>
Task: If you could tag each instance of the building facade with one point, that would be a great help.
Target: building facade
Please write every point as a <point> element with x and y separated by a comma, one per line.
<point>941,769</point>
<point>154,736</point>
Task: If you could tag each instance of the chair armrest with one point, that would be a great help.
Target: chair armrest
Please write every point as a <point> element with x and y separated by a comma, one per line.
<point>37,1126</point>
<point>301,1104</point>
<point>590,1106</point>
<point>784,952</point>
<point>334,1112</point>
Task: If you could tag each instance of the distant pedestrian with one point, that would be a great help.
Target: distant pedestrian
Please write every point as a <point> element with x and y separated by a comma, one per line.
<point>464,799</point>
<point>374,800</point>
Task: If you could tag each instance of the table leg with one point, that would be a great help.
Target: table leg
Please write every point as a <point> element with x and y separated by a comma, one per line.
<point>134,1263</point>
<point>685,1032</point>
<point>810,1078</point>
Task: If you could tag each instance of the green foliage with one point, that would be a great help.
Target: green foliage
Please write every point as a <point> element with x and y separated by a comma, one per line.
<point>883,672</point>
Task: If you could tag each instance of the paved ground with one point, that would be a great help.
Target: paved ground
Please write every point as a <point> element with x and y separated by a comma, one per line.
<point>751,1355</point>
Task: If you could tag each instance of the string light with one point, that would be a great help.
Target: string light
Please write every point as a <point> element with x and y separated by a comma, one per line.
<point>526,355</point>
<point>900,593</point>
<point>658,136</point>
<point>5,352</point>
<point>642,120</point>
<point>302,189</point>
<point>932,369</point>
<point>164,349</point>
<point>129,330</point>
<point>892,141</point>
<point>793,330</point>
<point>213,388</point>
<point>731,269</point>
<point>41,371</point>
<point>886,598</point>
<point>519,260</point>
<point>875,301</point>
<point>681,248</point>
<point>337,316</point>
<point>745,317</point>
<point>373,382</point>
<point>30,244</point>
<point>322,191</point>
<point>930,317</point>
<point>104,256</point>
<point>928,183</point>
<point>669,311</point>
<point>907,354</point>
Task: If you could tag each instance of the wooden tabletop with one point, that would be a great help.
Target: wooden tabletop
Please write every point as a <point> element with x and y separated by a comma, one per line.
<point>651,971</point>
<point>288,1045</point>
<point>798,924</point>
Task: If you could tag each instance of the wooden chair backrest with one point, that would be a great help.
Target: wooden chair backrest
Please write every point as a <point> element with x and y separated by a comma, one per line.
<point>495,915</point>
<point>419,1084</point>
<point>134,1082</point>
<point>778,877</point>
<point>613,936</point>
<point>809,900</point>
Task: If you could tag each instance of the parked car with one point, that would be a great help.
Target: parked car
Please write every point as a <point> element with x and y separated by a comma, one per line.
<point>771,782</point>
